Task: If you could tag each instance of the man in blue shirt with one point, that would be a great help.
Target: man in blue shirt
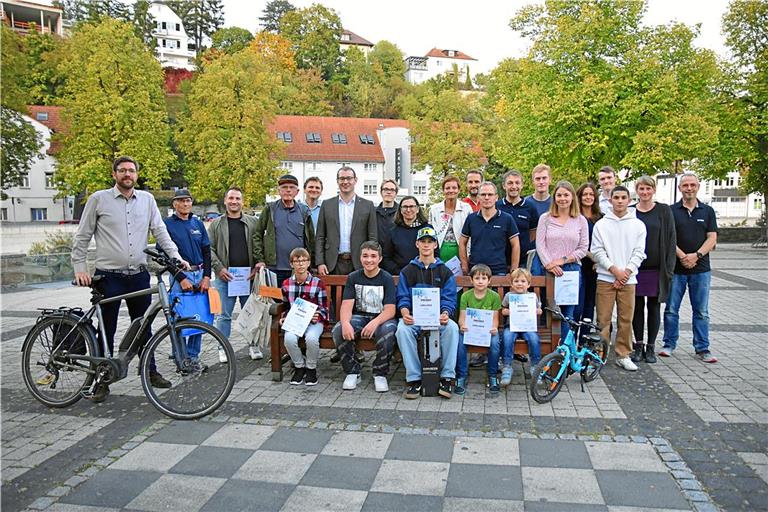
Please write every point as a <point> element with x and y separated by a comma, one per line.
<point>313,189</point>
<point>521,209</point>
<point>542,177</point>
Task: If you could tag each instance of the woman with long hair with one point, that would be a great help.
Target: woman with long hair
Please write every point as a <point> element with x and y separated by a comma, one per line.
<point>587,195</point>
<point>400,246</point>
<point>562,240</point>
<point>448,216</point>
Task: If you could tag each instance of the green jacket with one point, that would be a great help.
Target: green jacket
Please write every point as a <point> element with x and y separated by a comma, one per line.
<point>264,244</point>
<point>218,234</point>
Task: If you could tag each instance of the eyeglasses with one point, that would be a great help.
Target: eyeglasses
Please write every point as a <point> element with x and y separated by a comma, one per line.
<point>345,178</point>
<point>408,207</point>
<point>125,171</point>
<point>389,190</point>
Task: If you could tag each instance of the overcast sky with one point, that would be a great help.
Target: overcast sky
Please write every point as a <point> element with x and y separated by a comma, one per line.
<point>480,28</point>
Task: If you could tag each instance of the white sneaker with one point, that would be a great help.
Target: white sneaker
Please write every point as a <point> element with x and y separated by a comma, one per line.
<point>627,364</point>
<point>255,352</point>
<point>222,356</point>
<point>351,382</point>
<point>380,384</point>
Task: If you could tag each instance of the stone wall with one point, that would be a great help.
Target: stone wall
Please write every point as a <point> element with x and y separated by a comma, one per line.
<point>741,235</point>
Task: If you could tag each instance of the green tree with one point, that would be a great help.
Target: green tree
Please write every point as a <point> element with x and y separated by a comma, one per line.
<point>223,132</point>
<point>272,13</point>
<point>135,12</point>
<point>42,81</point>
<point>231,39</point>
<point>19,145</point>
<point>13,71</point>
<point>386,59</point>
<point>113,104</point>
<point>314,33</point>
<point>201,18</point>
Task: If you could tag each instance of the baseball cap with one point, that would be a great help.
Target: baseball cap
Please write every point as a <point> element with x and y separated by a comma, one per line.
<point>426,232</point>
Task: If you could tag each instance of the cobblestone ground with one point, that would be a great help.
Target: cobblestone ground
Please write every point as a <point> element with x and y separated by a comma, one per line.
<point>676,435</point>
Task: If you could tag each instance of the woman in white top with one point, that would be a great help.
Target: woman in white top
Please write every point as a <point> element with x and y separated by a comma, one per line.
<point>448,216</point>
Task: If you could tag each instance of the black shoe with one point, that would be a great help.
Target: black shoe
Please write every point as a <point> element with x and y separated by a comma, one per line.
<point>650,354</point>
<point>521,357</point>
<point>310,377</point>
<point>101,393</point>
<point>158,381</point>
<point>446,388</point>
<point>336,357</point>
<point>478,360</point>
<point>637,353</point>
<point>298,376</point>
<point>413,390</point>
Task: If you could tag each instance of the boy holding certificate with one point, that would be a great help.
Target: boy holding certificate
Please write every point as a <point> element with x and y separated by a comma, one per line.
<point>472,306</point>
<point>304,286</point>
<point>522,307</point>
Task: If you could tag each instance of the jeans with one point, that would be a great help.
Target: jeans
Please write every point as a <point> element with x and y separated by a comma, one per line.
<point>385,343</point>
<point>698,293</point>
<point>449,341</point>
<point>194,343</point>
<point>531,338</point>
<point>462,364</point>
<point>311,340</point>
<point>224,320</point>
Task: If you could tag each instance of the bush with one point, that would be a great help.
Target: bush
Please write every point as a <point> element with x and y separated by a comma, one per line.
<point>54,243</point>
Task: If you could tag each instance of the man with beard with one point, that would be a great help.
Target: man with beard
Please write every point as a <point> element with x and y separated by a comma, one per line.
<point>474,179</point>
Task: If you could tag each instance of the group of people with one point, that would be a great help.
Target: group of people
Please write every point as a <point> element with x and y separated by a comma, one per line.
<point>632,257</point>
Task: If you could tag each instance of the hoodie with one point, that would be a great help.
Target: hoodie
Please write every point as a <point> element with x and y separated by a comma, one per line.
<point>437,275</point>
<point>620,242</point>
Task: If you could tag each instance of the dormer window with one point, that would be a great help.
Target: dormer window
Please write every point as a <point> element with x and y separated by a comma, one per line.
<point>338,138</point>
<point>41,116</point>
<point>285,136</point>
<point>451,53</point>
<point>345,37</point>
<point>313,138</point>
<point>367,139</point>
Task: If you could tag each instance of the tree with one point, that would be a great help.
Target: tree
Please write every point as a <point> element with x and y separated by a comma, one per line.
<point>272,13</point>
<point>386,59</point>
<point>19,145</point>
<point>42,81</point>
<point>231,39</point>
<point>223,133</point>
<point>314,33</point>
<point>15,67</point>
<point>113,104</point>
<point>136,12</point>
<point>201,18</point>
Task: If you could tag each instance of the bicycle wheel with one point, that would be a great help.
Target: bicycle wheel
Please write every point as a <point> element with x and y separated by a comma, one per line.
<point>53,378</point>
<point>193,393</point>
<point>544,386</point>
<point>592,369</point>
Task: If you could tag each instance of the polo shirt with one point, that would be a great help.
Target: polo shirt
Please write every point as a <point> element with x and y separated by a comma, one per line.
<point>190,237</point>
<point>541,206</point>
<point>490,239</point>
<point>526,217</point>
<point>692,227</point>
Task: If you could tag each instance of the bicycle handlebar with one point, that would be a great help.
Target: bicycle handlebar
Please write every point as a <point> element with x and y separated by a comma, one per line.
<point>170,264</point>
<point>573,323</point>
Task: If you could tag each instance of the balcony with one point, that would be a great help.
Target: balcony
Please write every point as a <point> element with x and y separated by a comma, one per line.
<point>23,16</point>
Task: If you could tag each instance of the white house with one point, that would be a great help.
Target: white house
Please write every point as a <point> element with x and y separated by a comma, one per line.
<point>349,40</point>
<point>439,62</point>
<point>35,200</point>
<point>174,48</point>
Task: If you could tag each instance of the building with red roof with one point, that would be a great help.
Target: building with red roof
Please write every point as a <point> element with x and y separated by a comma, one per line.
<point>439,62</point>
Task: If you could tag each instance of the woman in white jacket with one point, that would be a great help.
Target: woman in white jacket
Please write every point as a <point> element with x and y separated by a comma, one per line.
<point>448,216</point>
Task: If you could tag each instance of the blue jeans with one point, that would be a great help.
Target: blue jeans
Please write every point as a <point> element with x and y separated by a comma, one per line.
<point>224,320</point>
<point>531,338</point>
<point>462,364</point>
<point>449,341</point>
<point>698,293</point>
<point>194,342</point>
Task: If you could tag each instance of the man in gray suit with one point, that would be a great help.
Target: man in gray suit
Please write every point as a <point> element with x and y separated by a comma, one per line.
<point>344,223</point>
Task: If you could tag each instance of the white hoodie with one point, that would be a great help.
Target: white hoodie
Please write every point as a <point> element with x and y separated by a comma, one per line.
<point>620,242</point>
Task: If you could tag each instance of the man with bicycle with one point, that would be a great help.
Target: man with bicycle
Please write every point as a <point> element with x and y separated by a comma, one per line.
<point>120,219</point>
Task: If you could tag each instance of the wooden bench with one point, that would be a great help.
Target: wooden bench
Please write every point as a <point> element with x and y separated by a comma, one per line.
<point>549,332</point>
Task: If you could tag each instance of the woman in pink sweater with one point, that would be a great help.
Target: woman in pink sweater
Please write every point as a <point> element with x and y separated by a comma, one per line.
<point>562,240</point>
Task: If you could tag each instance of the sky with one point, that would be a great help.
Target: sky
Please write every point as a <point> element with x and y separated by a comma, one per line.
<point>416,26</point>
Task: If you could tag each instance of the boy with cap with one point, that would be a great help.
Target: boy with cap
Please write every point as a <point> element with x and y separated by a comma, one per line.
<point>427,271</point>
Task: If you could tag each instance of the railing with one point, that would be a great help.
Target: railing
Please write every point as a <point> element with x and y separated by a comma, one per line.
<point>23,26</point>
<point>40,268</point>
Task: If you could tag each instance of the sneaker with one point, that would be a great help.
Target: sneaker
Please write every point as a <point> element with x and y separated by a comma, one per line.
<point>351,381</point>
<point>158,381</point>
<point>222,356</point>
<point>461,386</point>
<point>637,353</point>
<point>310,377</point>
<point>665,352</point>
<point>45,380</point>
<point>478,360</point>
<point>493,384</point>
<point>413,390</point>
<point>446,388</point>
<point>706,357</point>
<point>520,357</point>
<point>101,393</point>
<point>255,352</point>
<point>627,364</point>
<point>298,376</point>
<point>506,376</point>
<point>380,384</point>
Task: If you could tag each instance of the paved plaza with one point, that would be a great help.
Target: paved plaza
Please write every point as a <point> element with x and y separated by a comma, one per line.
<point>677,435</point>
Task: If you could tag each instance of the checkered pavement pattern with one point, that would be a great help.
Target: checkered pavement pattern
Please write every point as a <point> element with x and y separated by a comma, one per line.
<point>233,466</point>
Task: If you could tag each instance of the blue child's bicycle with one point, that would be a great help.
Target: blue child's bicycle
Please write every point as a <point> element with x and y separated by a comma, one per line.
<point>588,358</point>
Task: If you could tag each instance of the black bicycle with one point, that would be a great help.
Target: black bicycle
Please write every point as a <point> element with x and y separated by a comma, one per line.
<point>65,360</point>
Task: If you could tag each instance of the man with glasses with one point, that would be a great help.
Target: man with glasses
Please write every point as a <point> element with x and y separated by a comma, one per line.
<point>385,212</point>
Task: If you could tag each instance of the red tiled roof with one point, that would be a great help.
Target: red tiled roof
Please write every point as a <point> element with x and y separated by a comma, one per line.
<point>326,150</point>
<point>54,122</point>
<point>355,39</point>
<point>436,52</point>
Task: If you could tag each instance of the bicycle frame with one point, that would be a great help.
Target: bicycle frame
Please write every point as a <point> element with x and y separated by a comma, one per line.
<point>573,355</point>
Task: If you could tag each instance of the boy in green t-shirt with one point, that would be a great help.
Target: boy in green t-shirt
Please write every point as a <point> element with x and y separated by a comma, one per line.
<point>479,297</point>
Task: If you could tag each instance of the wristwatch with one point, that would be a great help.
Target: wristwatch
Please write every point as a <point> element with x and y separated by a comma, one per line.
<point>699,255</point>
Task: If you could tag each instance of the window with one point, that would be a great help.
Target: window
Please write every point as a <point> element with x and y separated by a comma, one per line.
<point>313,138</point>
<point>717,199</point>
<point>370,167</point>
<point>41,116</point>
<point>312,166</point>
<point>39,213</point>
<point>439,63</point>
<point>345,37</point>
<point>288,166</point>
<point>3,213</point>
<point>163,25</point>
<point>285,136</point>
<point>757,204</point>
<point>25,180</point>
<point>178,27</point>
<point>451,53</point>
<point>367,139</point>
<point>739,200</point>
<point>370,188</point>
<point>731,181</point>
<point>178,44</point>
<point>419,188</point>
<point>162,43</point>
<point>338,138</point>
<point>49,183</point>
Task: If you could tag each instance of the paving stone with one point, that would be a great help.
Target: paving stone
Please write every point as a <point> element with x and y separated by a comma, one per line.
<point>297,440</point>
<point>177,492</point>
<point>324,499</point>
<point>389,502</point>
<point>152,456</point>
<point>451,504</point>
<point>420,448</point>
<point>186,432</point>
<point>485,481</point>
<point>275,466</point>
<point>244,436</point>
<point>111,488</point>
<point>630,488</point>
<point>470,450</point>
<point>358,444</point>
<point>561,485</point>
<point>555,454</point>
<point>342,472</point>
<point>637,457</point>
<point>213,461</point>
<point>411,477</point>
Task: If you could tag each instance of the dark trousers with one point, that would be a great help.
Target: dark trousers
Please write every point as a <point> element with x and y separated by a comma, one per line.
<point>654,319</point>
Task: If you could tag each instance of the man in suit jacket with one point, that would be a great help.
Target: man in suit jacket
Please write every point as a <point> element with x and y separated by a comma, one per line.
<point>344,223</point>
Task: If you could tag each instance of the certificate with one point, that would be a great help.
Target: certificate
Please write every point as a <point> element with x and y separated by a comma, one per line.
<point>299,316</point>
<point>239,285</point>
<point>567,288</point>
<point>426,307</point>
<point>479,323</point>
<point>454,265</point>
<point>522,312</point>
